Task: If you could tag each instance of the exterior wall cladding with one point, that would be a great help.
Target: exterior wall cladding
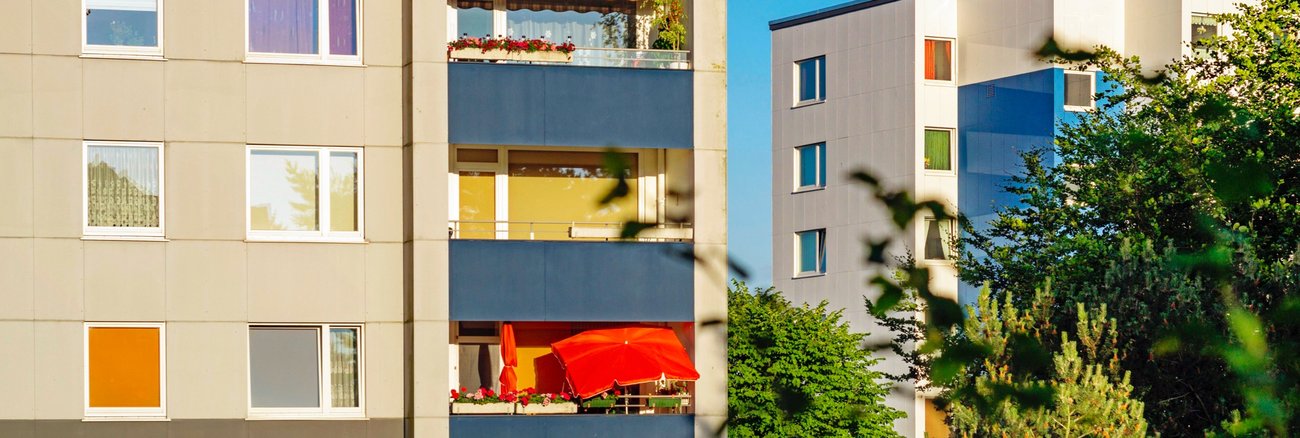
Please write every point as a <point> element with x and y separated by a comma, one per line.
<point>878,103</point>
<point>198,280</point>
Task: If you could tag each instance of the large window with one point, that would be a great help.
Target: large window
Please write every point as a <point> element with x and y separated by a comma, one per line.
<point>810,252</point>
<point>305,193</point>
<point>810,80</point>
<point>304,30</point>
<point>125,366</point>
<point>938,149</point>
<point>122,27</point>
<point>1079,89</point>
<point>1204,27</point>
<point>588,24</point>
<point>305,370</point>
<point>938,60</point>
<point>939,239</point>
<point>123,189</point>
<point>810,166</point>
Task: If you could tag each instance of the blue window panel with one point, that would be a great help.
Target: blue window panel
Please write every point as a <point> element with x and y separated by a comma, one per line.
<point>812,258</point>
<point>109,27</point>
<point>808,166</point>
<point>808,80</point>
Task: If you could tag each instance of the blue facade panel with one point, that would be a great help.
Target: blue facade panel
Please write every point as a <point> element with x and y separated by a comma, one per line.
<point>548,105</point>
<point>523,280</point>
<point>573,426</point>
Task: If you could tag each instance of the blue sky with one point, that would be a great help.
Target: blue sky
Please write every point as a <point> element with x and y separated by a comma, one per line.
<point>749,129</point>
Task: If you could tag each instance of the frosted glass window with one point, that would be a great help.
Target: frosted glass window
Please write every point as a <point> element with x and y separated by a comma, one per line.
<point>304,27</point>
<point>810,80</point>
<point>305,193</point>
<point>475,22</point>
<point>122,25</point>
<point>810,249</point>
<point>123,189</point>
<point>811,166</point>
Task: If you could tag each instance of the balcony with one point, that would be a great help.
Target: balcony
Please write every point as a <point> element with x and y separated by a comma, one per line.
<point>581,231</point>
<point>622,426</point>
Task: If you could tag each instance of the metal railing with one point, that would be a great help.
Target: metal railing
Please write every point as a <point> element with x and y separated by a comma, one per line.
<point>642,404</point>
<point>633,58</point>
<point>584,231</point>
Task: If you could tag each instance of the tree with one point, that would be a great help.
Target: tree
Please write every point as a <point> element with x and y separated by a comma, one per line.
<point>1090,396</point>
<point>799,371</point>
<point>1176,205</point>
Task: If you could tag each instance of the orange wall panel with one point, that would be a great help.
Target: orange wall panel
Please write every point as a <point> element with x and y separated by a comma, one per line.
<point>124,369</point>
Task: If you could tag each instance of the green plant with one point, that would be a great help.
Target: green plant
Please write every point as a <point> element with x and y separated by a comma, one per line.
<point>669,20</point>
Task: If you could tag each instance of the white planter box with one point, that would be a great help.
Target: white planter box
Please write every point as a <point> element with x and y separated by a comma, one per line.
<point>484,409</point>
<point>553,408</point>
<point>502,55</point>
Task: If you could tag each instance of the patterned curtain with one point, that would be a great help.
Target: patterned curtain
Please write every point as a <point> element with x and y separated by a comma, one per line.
<point>601,6</point>
<point>282,26</point>
<point>122,186</point>
<point>343,368</point>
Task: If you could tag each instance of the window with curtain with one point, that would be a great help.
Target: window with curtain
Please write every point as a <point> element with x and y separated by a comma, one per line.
<point>123,26</point>
<point>810,248</point>
<point>124,189</point>
<point>939,239</point>
<point>592,24</point>
<point>304,192</point>
<point>938,60</point>
<point>1078,90</point>
<point>810,80</point>
<point>304,29</point>
<point>286,365</point>
<point>811,166</point>
<point>124,370</point>
<point>1204,27</point>
<point>938,149</point>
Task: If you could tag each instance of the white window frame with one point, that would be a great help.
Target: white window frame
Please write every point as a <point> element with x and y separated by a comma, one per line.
<point>1092,91</point>
<point>952,152</point>
<point>322,42</point>
<point>798,167</point>
<point>818,270</point>
<point>326,409</point>
<point>123,51</point>
<point>950,256</point>
<point>952,60</point>
<point>124,233</point>
<point>323,234</point>
<point>151,413</point>
<point>820,63</point>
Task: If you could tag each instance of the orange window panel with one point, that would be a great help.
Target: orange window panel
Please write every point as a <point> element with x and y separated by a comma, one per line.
<point>124,367</point>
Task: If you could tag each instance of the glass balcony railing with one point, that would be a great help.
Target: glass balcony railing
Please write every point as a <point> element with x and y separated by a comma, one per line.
<point>633,58</point>
<point>565,231</point>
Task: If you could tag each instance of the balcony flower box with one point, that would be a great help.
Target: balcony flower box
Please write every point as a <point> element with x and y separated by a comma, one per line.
<point>664,402</point>
<point>483,409</point>
<point>551,409</point>
<point>509,49</point>
<point>599,403</point>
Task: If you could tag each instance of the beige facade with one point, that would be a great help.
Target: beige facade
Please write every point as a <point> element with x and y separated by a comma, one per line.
<point>206,281</point>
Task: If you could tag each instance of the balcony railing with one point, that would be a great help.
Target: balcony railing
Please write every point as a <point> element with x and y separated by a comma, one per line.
<point>565,231</point>
<point>633,58</point>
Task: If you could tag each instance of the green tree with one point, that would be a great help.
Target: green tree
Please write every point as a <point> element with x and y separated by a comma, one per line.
<point>1177,204</point>
<point>799,371</point>
<point>1090,396</point>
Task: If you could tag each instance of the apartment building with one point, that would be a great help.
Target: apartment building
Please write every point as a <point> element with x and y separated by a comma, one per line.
<point>938,97</point>
<point>308,218</point>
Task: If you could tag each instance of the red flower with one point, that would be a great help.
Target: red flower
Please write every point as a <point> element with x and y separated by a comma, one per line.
<point>524,401</point>
<point>462,389</point>
<point>489,393</point>
<point>455,394</point>
<point>617,392</point>
<point>564,396</point>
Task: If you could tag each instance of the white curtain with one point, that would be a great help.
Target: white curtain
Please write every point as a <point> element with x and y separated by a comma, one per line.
<point>122,186</point>
<point>343,368</point>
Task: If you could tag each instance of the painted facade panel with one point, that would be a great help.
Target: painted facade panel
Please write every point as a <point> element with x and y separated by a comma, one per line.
<point>569,106</point>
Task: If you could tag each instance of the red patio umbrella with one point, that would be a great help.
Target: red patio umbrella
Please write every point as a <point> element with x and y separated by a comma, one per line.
<point>597,360</point>
<point>509,359</point>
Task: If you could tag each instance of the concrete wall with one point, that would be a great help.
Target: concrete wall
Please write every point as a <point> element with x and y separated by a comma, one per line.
<point>205,282</point>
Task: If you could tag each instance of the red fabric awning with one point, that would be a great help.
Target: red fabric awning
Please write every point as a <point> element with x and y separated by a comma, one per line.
<point>597,360</point>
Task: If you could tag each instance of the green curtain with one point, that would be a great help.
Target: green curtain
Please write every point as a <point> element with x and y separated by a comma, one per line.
<point>938,155</point>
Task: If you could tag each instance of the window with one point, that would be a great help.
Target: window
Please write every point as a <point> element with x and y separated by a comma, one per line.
<point>588,24</point>
<point>938,60</point>
<point>1078,91</point>
<point>123,189</point>
<point>304,30</point>
<point>938,149</point>
<point>939,239</point>
<point>1204,27</point>
<point>810,80</point>
<point>810,162</point>
<point>305,193</point>
<point>478,354</point>
<point>122,27</point>
<point>305,370</point>
<point>810,247</point>
<point>125,370</point>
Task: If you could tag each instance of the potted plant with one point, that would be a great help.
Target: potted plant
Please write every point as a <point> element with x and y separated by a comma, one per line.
<point>530,402</point>
<point>669,18</point>
<point>482,401</point>
<point>509,49</point>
